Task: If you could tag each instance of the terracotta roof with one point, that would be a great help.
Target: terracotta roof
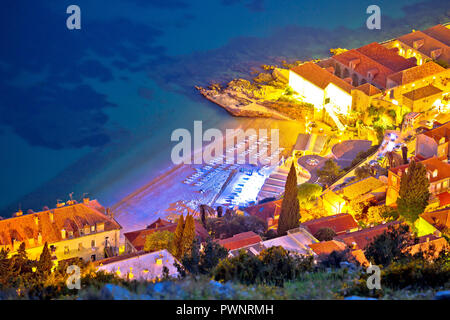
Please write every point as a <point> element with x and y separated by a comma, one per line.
<point>340,223</point>
<point>431,164</point>
<point>440,219</point>
<point>369,89</point>
<point>440,33</point>
<point>439,132</point>
<point>360,257</point>
<point>364,237</point>
<point>71,218</point>
<point>137,238</point>
<point>327,247</point>
<point>240,240</point>
<point>364,65</point>
<point>416,73</point>
<point>320,77</point>
<point>428,44</point>
<point>444,199</point>
<point>428,243</point>
<point>361,187</point>
<point>386,57</point>
<point>265,210</point>
<point>422,93</point>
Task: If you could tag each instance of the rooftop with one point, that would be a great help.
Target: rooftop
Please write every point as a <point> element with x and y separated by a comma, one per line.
<point>386,57</point>
<point>427,44</point>
<point>240,240</point>
<point>369,89</point>
<point>327,247</point>
<point>410,75</point>
<point>49,224</point>
<point>422,93</point>
<point>137,238</point>
<point>441,168</point>
<point>320,77</point>
<point>440,219</point>
<point>340,223</point>
<point>440,33</point>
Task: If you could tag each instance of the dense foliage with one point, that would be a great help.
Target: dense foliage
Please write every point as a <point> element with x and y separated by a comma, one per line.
<point>290,208</point>
<point>227,226</point>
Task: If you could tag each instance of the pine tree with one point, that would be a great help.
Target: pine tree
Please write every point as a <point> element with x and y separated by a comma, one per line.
<point>414,192</point>
<point>203,214</point>
<point>45,260</point>
<point>290,208</point>
<point>188,234</point>
<point>219,212</point>
<point>178,239</point>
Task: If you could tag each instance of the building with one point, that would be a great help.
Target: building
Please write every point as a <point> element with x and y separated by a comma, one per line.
<point>296,240</point>
<point>140,266</point>
<point>429,245</point>
<point>330,95</point>
<point>430,44</point>
<point>80,230</point>
<point>422,99</point>
<point>269,212</point>
<point>439,219</point>
<point>247,241</point>
<point>372,64</point>
<point>338,200</point>
<point>438,173</point>
<point>434,143</point>
<point>309,144</point>
<point>339,223</point>
<point>135,240</point>
<point>360,239</point>
<point>327,247</point>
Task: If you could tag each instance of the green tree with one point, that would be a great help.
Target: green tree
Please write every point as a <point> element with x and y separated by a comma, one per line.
<point>226,228</point>
<point>290,208</point>
<point>363,172</point>
<point>414,192</point>
<point>325,234</point>
<point>178,238</point>
<point>188,234</point>
<point>160,240</point>
<point>390,245</point>
<point>45,263</point>
<point>307,194</point>
<point>329,173</point>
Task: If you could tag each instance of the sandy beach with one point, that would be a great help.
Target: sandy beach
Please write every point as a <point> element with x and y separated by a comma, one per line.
<point>166,195</point>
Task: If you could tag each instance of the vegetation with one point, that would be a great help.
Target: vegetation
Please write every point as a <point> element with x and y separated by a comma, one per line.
<point>325,234</point>
<point>307,194</point>
<point>160,240</point>
<point>272,266</point>
<point>330,173</point>
<point>290,208</point>
<point>226,227</point>
<point>414,192</point>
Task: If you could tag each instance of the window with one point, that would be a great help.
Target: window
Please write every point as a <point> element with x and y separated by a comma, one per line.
<point>80,246</point>
<point>93,243</point>
<point>92,228</point>
<point>93,257</point>
<point>327,100</point>
<point>66,250</point>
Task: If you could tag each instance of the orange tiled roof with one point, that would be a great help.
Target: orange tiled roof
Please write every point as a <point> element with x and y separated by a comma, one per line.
<point>320,77</point>
<point>137,238</point>
<point>416,73</point>
<point>27,228</point>
<point>265,210</point>
<point>385,57</point>
<point>240,240</point>
<point>440,219</point>
<point>431,164</point>
<point>428,243</point>
<point>340,223</point>
<point>369,89</point>
<point>440,33</point>
<point>327,247</point>
<point>439,132</point>
<point>429,43</point>
<point>421,93</point>
<point>365,236</point>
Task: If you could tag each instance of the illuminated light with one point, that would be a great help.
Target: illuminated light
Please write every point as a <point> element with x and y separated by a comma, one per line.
<point>130,275</point>
<point>118,272</point>
<point>145,271</point>
<point>33,269</point>
<point>395,102</point>
<point>159,261</point>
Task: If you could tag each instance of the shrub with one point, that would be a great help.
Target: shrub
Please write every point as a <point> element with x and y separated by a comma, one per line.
<point>325,234</point>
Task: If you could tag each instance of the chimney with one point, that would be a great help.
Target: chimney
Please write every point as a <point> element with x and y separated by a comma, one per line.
<point>418,43</point>
<point>436,53</point>
<point>353,63</point>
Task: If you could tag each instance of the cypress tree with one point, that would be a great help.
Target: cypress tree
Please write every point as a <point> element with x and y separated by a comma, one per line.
<point>178,239</point>
<point>45,260</point>
<point>188,233</point>
<point>290,208</point>
<point>219,212</point>
<point>414,192</point>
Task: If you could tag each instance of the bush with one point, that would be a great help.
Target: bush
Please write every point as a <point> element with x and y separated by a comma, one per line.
<point>226,227</point>
<point>273,266</point>
<point>325,234</point>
